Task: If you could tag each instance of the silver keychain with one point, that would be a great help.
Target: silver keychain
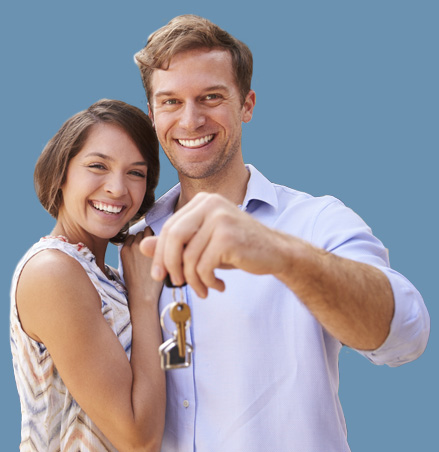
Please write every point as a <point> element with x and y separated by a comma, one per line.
<point>176,353</point>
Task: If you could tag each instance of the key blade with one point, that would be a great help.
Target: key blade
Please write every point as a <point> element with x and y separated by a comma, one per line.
<point>181,340</point>
<point>180,313</point>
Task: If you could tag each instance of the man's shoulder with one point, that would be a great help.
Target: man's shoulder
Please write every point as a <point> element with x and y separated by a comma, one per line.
<point>261,187</point>
<point>288,197</point>
<point>291,194</point>
<point>281,198</point>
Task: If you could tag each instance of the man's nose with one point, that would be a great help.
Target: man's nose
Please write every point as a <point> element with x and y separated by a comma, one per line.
<point>192,117</point>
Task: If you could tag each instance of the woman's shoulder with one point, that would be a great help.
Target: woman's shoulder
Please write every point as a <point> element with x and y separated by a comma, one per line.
<point>48,263</point>
<point>53,256</point>
<point>51,281</point>
<point>51,271</point>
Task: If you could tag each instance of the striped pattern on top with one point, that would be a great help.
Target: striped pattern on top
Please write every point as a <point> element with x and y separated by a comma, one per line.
<point>51,419</point>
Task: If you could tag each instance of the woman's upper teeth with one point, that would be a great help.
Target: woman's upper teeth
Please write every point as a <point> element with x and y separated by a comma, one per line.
<point>107,207</point>
<point>196,143</point>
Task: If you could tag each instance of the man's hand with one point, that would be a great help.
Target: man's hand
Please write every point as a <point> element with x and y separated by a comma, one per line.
<point>352,300</point>
<point>207,233</point>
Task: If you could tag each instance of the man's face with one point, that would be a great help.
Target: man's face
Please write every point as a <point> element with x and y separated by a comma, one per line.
<point>197,113</point>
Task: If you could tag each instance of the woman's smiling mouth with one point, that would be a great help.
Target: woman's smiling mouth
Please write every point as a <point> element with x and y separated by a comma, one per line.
<point>106,208</point>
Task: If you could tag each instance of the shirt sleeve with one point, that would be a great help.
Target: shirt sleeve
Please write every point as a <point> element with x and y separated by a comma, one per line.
<point>339,230</point>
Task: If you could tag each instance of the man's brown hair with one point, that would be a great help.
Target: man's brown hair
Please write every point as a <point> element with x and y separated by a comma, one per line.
<point>189,32</point>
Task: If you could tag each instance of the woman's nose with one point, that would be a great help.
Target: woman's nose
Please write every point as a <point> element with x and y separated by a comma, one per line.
<point>115,184</point>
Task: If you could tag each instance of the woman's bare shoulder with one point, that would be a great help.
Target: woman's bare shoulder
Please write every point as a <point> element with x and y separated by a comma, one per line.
<point>52,283</point>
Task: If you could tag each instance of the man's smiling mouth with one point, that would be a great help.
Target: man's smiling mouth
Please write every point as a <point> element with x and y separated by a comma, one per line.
<point>197,142</point>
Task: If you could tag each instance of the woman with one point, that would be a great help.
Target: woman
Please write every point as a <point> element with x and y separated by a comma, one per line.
<point>85,362</point>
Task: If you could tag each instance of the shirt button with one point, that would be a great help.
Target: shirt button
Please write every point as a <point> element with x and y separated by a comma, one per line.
<point>185,403</point>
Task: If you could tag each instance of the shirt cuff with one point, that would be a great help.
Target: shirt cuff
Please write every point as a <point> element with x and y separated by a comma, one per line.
<point>410,326</point>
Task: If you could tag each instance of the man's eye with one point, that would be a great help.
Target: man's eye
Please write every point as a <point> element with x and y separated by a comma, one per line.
<point>212,96</point>
<point>170,102</point>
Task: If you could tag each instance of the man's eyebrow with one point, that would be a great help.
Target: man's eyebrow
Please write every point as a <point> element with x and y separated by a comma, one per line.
<point>111,159</point>
<point>217,88</point>
<point>163,93</point>
<point>204,90</point>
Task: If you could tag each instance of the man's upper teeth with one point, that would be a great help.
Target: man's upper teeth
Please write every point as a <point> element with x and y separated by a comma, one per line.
<point>197,142</point>
<point>107,207</point>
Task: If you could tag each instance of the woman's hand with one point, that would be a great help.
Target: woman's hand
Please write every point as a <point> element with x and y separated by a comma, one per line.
<point>137,270</point>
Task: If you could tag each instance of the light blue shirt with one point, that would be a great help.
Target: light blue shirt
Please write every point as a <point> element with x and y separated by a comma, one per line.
<point>265,374</point>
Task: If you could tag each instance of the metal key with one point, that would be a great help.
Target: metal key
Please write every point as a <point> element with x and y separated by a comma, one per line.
<point>180,313</point>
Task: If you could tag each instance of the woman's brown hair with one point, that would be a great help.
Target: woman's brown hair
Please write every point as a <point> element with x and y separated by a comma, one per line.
<point>51,167</point>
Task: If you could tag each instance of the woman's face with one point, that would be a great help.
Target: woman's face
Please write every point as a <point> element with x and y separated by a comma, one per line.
<point>105,185</point>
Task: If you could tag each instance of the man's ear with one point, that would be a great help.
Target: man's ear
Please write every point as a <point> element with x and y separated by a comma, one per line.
<point>151,115</point>
<point>249,105</point>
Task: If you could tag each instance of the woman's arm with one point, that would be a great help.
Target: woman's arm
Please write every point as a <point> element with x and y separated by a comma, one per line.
<point>59,306</point>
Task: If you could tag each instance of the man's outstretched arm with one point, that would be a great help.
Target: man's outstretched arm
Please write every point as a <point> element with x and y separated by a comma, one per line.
<point>353,301</point>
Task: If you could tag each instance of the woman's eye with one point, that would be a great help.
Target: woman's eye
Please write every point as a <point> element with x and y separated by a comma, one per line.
<point>96,166</point>
<point>138,174</point>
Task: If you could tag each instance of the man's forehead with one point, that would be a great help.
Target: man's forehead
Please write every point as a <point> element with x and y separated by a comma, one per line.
<point>211,67</point>
<point>200,52</point>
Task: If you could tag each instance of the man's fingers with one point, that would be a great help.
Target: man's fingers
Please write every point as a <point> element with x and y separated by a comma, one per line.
<point>178,233</point>
<point>209,260</point>
<point>185,238</point>
<point>200,278</point>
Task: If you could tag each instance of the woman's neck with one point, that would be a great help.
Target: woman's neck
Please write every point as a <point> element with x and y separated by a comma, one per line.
<point>97,246</point>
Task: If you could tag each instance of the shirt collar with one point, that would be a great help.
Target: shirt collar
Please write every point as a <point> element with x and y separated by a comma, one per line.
<point>163,208</point>
<point>259,188</point>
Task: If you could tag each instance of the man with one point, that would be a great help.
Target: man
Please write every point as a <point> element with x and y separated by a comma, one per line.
<point>296,277</point>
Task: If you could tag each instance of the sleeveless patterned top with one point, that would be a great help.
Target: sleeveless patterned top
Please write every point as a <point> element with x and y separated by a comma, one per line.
<point>51,419</point>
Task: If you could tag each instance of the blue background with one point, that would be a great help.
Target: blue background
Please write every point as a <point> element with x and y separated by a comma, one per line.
<point>347,104</point>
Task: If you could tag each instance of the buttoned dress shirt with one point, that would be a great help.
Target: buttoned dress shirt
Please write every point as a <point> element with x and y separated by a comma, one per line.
<point>264,374</point>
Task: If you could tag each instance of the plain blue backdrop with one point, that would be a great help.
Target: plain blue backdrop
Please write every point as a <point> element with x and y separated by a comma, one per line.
<point>347,105</point>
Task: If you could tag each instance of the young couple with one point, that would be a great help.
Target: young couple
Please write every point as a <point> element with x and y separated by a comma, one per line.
<point>296,277</point>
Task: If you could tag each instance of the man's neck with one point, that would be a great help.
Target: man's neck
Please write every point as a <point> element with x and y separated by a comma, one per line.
<point>233,186</point>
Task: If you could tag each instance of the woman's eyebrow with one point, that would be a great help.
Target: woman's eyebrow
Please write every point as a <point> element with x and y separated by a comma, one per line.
<point>111,159</point>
